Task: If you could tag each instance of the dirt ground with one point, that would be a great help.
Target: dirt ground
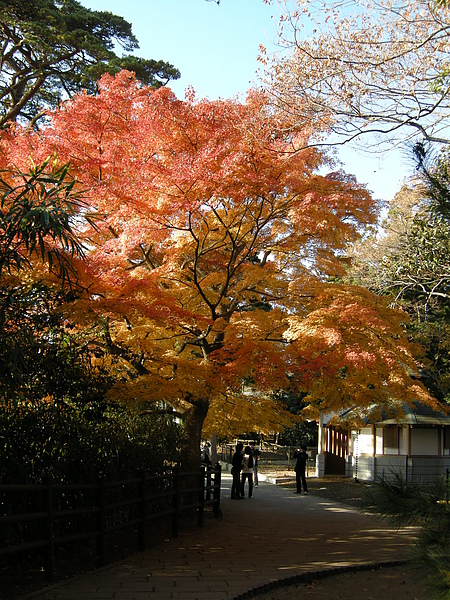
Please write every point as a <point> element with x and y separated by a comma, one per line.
<point>399,582</point>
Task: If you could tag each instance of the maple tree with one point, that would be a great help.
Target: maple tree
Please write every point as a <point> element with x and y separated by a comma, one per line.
<point>207,272</point>
<point>364,67</point>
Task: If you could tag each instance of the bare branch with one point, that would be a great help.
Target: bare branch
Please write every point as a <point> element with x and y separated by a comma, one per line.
<point>367,68</point>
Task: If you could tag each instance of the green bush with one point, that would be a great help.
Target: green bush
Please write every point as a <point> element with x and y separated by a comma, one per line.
<point>61,442</point>
<point>426,507</point>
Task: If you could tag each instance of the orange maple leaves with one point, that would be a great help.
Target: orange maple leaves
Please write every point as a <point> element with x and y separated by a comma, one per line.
<point>215,237</point>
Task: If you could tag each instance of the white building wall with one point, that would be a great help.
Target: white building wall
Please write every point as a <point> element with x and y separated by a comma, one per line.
<point>404,440</point>
<point>365,441</point>
<point>361,467</point>
<point>388,463</point>
<point>379,440</point>
<point>390,467</point>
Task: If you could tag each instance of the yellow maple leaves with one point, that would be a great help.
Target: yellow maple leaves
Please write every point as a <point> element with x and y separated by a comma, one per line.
<point>208,270</point>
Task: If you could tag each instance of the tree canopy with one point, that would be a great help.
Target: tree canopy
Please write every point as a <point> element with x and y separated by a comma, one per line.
<point>409,263</point>
<point>51,49</point>
<point>207,275</point>
<point>433,168</point>
<point>364,67</point>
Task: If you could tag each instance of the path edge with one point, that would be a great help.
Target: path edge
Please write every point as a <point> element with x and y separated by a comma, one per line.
<point>310,576</point>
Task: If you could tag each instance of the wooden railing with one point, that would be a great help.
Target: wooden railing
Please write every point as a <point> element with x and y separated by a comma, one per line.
<point>36,518</point>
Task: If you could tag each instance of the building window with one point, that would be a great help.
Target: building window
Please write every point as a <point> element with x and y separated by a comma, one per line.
<point>391,439</point>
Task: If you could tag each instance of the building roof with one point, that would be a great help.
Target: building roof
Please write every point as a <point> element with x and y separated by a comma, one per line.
<point>415,413</point>
<point>418,414</point>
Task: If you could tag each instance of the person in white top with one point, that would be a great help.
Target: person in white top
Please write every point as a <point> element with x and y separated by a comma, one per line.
<point>247,472</point>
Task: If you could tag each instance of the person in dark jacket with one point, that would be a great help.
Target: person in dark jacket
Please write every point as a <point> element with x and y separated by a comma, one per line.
<point>236,467</point>
<point>300,469</point>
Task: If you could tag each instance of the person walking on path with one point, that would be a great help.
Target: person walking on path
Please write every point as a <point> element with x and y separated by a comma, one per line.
<point>300,469</point>
<point>247,472</point>
<point>236,467</point>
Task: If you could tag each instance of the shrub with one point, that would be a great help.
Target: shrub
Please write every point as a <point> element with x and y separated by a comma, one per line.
<point>61,442</point>
<point>425,506</point>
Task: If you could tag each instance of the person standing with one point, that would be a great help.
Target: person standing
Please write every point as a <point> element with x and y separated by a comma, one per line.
<point>206,454</point>
<point>236,467</point>
<point>256,454</point>
<point>300,469</point>
<point>247,472</point>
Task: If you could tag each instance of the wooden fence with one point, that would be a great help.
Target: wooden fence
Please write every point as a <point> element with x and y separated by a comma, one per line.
<point>36,518</point>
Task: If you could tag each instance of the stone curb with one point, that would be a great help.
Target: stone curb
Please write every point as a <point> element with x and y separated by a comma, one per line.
<point>276,480</point>
<point>310,576</point>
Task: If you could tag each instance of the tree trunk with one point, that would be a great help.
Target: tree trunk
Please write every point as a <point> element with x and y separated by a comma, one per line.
<point>190,451</point>
<point>192,434</point>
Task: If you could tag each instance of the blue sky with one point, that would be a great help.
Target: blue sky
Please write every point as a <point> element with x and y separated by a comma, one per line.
<point>214,47</point>
<point>216,50</point>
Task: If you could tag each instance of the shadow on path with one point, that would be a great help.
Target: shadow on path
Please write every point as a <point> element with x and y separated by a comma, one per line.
<point>273,536</point>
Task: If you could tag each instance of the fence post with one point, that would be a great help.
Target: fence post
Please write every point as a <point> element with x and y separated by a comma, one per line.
<point>142,512</point>
<point>175,500</point>
<point>217,484</point>
<point>101,522</point>
<point>49,557</point>
<point>201,497</point>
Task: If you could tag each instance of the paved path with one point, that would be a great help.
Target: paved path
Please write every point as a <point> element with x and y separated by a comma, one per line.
<point>273,536</point>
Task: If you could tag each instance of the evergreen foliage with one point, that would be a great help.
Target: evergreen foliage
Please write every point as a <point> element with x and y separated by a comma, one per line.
<point>62,442</point>
<point>410,264</point>
<point>52,49</point>
<point>405,503</point>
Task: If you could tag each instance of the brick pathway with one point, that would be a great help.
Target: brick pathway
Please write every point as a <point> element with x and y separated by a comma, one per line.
<point>273,536</point>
